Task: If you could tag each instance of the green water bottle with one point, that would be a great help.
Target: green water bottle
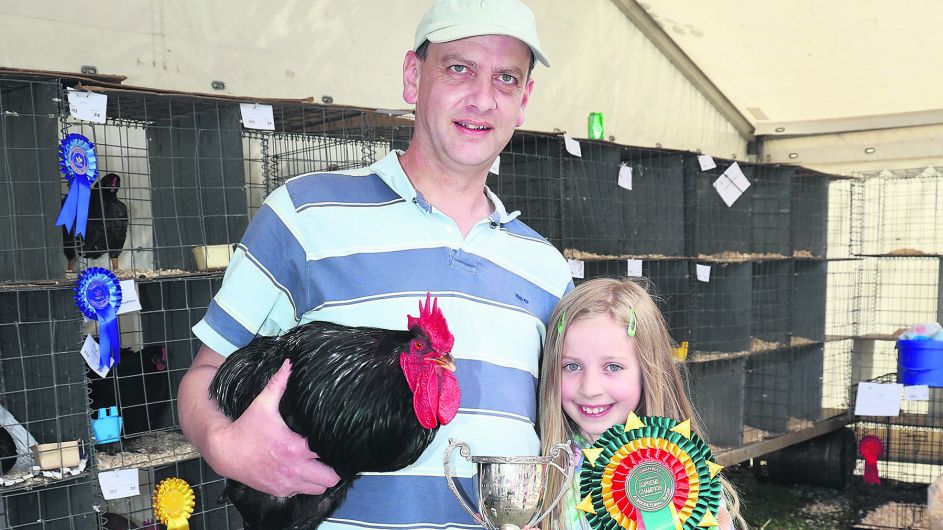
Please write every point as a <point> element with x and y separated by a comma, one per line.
<point>595,126</point>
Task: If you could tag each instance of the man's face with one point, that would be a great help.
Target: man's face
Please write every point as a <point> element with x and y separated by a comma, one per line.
<point>469,94</point>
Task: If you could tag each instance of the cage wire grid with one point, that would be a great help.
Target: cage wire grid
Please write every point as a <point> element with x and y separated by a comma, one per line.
<point>770,335</point>
<point>900,278</point>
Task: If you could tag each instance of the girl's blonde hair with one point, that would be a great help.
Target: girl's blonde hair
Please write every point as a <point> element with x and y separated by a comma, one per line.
<point>663,389</point>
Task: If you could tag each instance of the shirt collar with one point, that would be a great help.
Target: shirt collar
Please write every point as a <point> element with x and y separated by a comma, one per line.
<point>391,172</point>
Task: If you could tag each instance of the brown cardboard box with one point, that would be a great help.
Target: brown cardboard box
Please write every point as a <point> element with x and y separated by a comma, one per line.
<point>56,455</point>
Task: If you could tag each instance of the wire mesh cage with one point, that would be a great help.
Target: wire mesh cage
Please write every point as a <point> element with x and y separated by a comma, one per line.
<point>747,286</point>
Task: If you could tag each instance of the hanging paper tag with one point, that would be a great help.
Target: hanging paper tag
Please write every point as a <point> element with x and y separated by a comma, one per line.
<point>625,177</point>
<point>92,357</point>
<point>634,269</point>
<point>257,116</point>
<point>572,146</point>
<point>703,272</point>
<point>129,297</point>
<point>706,162</point>
<point>88,106</point>
<point>576,268</point>
<point>119,484</point>
<point>496,166</point>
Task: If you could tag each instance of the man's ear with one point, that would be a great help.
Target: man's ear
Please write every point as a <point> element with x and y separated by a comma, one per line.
<point>411,67</point>
<point>524,100</point>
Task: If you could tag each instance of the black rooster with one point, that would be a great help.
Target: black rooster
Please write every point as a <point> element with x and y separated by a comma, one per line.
<point>142,386</point>
<point>107,226</point>
<point>7,451</point>
<point>366,399</point>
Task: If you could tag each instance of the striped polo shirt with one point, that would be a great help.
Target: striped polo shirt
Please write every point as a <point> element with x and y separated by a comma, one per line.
<point>362,247</point>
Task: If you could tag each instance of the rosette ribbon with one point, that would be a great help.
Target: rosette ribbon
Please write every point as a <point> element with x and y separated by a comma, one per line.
<point>652,472</point>
<point>79,165</point>
<point>98,297</point>
<point>173,503</point>
<point>871,448</point>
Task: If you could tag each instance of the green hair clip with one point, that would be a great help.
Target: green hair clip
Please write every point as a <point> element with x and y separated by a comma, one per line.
<point>561,324</point>
<point>633,322</point>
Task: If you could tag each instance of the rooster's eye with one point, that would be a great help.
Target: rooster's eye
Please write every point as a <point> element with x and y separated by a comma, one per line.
<point>418,345</point>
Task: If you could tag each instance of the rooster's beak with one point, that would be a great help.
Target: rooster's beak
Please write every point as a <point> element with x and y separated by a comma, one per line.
<point>446,361</point>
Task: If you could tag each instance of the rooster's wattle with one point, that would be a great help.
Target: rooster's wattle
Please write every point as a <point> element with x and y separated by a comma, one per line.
<point>366,400</point>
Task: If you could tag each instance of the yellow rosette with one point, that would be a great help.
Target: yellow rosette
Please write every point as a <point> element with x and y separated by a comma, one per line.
<point>173,503</point>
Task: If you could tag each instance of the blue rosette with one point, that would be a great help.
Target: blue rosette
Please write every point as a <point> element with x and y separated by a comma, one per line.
<point>79,164</point>
<point>98,297</point>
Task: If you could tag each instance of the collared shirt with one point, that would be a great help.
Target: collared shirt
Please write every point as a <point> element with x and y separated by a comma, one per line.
<point>362,248</point>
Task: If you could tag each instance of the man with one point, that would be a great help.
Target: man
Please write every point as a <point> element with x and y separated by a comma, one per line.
<point>362,247</point>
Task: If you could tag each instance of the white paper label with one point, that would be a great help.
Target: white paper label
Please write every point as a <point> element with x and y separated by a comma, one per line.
<point>119,484</point>
<point>88,106</point>
<point>625,177</point>
<point>634,268</point>
<point>917,393</point>
<point>731,185</point>
<point>91,352</point>
<point>706,162</point>
<point>877,399</point>
<point>572,146</point>
<point>129,297</point>
<point>576,268</point>
<point>257,116</point>
<point>703,272</point>
<point>496,166</point>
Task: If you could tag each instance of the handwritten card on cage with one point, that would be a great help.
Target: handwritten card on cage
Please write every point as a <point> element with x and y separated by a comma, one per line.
<point>88,106</point>
<point>256,116</point>
<point>119,484</point>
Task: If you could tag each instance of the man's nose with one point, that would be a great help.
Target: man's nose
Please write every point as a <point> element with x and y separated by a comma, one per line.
<point>482,95</point>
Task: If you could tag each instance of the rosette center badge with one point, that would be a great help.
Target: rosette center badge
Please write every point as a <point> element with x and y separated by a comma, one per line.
<point>650,486</point>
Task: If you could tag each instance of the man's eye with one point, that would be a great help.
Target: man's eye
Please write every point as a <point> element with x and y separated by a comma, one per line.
<point>507,78</point>
<point>458,68</point>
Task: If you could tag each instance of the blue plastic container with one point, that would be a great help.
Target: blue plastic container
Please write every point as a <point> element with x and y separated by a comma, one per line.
<point>920,362</point>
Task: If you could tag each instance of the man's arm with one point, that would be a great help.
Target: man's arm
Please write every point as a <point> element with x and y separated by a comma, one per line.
<point>257,449</point>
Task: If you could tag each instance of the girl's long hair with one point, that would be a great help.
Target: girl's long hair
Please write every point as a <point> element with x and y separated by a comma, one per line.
<point>663,389</point>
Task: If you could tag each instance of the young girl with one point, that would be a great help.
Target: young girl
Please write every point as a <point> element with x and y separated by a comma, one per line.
<point>608,353</point>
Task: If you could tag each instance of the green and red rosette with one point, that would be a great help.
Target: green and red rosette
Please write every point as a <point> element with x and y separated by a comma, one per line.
<point>654,471</point>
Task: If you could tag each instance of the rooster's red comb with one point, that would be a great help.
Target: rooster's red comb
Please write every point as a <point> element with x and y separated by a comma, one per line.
<point>432,322</point>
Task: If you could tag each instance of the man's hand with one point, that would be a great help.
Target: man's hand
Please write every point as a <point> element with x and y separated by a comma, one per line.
<point>257,449</point>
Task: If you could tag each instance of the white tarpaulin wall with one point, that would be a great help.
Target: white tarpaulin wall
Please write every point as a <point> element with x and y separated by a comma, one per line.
<point>352,50</point>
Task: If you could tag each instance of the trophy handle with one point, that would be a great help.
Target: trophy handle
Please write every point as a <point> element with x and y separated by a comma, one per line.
<point>560,449</point>
<point>465,452</point>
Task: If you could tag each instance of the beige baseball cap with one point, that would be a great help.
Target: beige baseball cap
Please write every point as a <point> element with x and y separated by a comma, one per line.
<point>449,20</point>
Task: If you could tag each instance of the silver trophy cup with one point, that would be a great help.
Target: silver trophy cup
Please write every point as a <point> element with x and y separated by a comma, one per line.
<point>512,489</point>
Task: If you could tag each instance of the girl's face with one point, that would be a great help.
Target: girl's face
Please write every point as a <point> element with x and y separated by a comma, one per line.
<point>601,379</point>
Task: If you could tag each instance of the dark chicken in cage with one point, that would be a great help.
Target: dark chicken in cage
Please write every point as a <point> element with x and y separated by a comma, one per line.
<point>107,226</point>
<point>366,399</point>
<point>7,451</point>
<point>138,386</point>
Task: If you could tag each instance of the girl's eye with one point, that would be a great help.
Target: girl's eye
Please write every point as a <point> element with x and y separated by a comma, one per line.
<point>613,367</point>
<point>571,367</point>
<point>458,68</point>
